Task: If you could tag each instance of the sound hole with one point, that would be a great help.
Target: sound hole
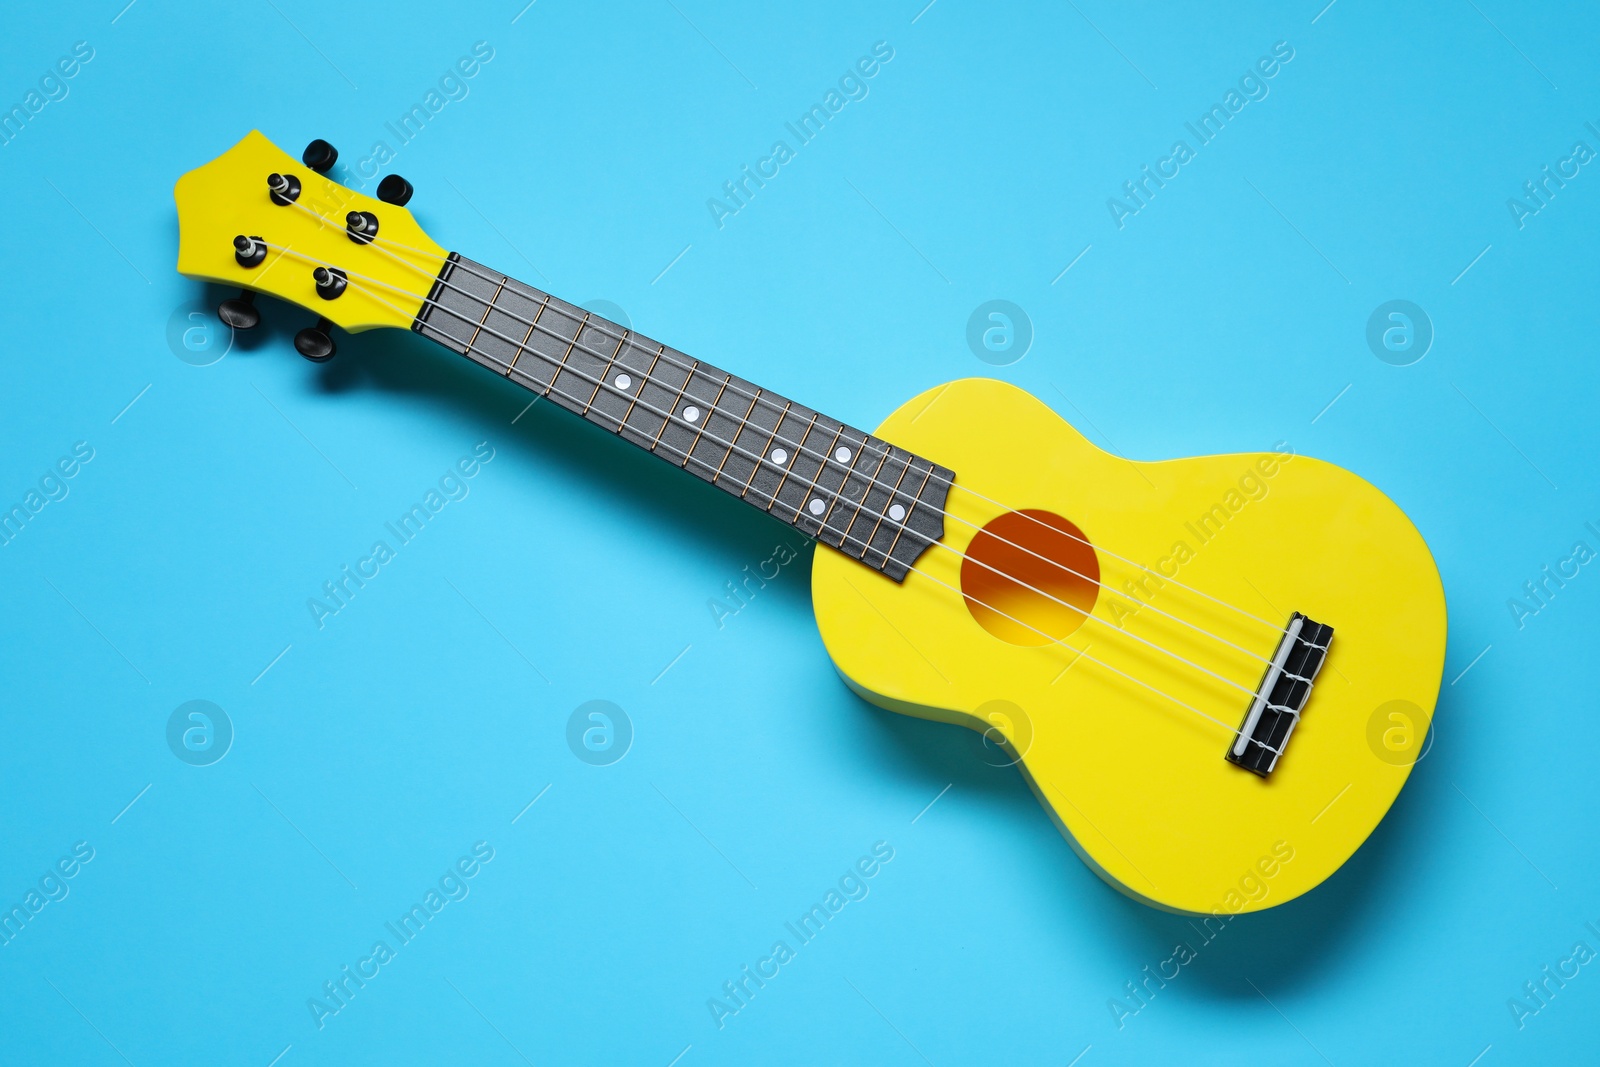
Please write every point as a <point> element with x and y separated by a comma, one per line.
<point>1030,548</point>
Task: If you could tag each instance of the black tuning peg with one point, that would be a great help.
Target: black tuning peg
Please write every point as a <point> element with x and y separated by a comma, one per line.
<point>331,282</point>
<point>285,188</point>
<point>362,226</point>
<point>314,343</point>
<point>249,251</point>
<point>320,156</point>
<point>240,312</point>
<point>395,190</point>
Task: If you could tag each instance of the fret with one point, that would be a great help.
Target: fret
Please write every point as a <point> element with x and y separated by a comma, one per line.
<point>588,359</point>
<point>773,477</point>
<point>506,327</point>
<point>702,423</point>
<point>873,501</point>
<point>798,491</point>
<point>843,488</point>
<point>516,315</point>
<point>486,309</point>
<point>544,354</point>
<point>883,496</point>
<point>459,302</point>
<point>729,469</point>
<point>642,423</point>
<point>631,367</point>
<point>754,442</point>
<point>688,414</point>
<point>924,523</point>
<point>902,527</point>
<point>826,481</point>
<point>431,309</point>
<point>830,481</point>
<point>663,391</point>
<point>927,516</point>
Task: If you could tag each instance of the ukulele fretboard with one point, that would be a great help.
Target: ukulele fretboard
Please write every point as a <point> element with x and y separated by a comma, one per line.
<point>871,500</point>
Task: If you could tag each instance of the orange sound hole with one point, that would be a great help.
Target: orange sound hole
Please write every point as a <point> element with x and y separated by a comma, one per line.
<point>1030,548</point>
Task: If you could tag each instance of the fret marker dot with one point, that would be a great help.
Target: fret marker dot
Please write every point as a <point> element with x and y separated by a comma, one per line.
<point>896,512</point>
<point>691,413</point>
<point>779,456</point>
<point>842,455</point>
<point>816,507</point>
<point>623,381</point>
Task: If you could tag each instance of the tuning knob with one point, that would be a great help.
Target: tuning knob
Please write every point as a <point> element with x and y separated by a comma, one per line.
<point>314,343</point>
<point>240,312</point>
<point>285,188</point>
<point>331,282</point>
<point>249,251</point>
<point>362,226</point>
<point>395,190</point>
<point>320,156</point>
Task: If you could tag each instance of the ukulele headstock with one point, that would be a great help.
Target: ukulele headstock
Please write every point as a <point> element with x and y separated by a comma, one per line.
<point>260,219</point>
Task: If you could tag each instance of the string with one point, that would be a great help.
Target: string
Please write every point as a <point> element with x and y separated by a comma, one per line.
<point>845,536</point>
<point>848,474</point>
<point>467,266</point>
<point>1052,640</point>
<point>367,239</point>
<point>825,460</point>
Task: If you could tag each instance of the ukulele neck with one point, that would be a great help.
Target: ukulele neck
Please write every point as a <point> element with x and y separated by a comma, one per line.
<point>877,503</point>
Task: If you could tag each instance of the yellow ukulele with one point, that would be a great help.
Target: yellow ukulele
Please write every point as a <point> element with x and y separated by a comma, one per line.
<point>1215,673</point>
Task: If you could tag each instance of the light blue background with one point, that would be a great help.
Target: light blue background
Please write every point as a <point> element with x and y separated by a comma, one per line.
<point>1226,315</point>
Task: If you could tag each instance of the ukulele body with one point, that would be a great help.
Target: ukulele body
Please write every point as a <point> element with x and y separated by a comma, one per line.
<point>1117,702</point>
<point>1136,782</point>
